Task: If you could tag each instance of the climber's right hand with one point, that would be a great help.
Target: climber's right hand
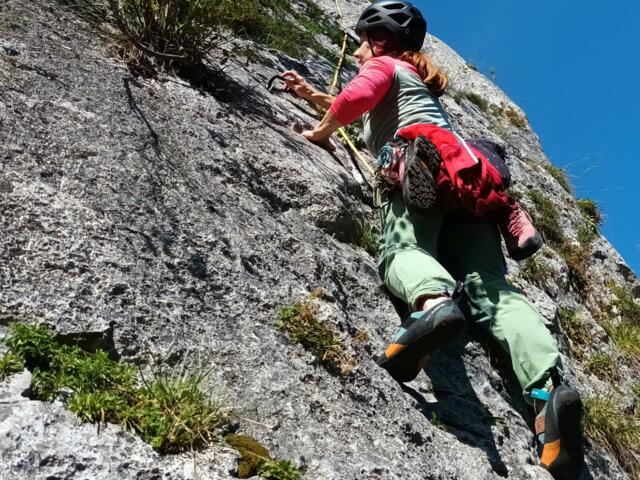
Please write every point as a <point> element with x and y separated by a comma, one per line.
<point>297,85</point>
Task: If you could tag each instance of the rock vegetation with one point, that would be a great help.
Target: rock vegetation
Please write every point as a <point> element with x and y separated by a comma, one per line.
<point>167,219</point>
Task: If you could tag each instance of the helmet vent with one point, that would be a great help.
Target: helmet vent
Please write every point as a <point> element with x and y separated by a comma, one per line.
<point>401,18</point>
<point>395,6</point>
<point>366,15</point>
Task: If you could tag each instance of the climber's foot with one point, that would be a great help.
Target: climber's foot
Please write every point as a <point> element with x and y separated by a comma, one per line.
<point>420,335</point>
<point>422,165</point>
<point>560,435</point>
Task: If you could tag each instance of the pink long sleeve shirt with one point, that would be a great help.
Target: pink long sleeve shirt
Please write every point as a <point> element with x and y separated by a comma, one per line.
<point>389,94</point>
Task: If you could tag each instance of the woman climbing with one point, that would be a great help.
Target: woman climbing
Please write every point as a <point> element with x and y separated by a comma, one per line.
<point>422,250</point>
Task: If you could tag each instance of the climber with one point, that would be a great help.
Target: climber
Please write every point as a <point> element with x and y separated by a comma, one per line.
<point>422,250</point>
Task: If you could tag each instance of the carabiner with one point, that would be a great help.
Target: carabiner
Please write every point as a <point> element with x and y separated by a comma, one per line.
<point>274,89</point>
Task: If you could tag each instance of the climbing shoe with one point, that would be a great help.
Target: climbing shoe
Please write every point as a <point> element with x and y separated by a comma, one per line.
<point>520,236</point>
<point>559,434</point>
<point>421,168</point>
<point>419,336</point>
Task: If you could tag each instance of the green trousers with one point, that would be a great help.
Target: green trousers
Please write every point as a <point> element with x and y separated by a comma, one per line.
<point>422,255</point>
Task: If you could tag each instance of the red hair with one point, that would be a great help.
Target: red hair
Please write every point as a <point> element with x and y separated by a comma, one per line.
<point>382,43</point>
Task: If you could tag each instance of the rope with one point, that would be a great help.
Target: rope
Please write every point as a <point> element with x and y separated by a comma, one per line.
<point>356,152</point>
<point>332,90</point>
<point>339,11</point>
<point>336,74</point>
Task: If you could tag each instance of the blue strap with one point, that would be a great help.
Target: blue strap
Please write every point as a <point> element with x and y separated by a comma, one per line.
<point>540,394</point>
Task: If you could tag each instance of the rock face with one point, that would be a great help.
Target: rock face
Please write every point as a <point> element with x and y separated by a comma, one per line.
<point>167,222</point>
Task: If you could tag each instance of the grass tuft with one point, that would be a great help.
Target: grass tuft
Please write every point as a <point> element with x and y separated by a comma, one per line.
<point>534,271</point>
<point>172,413</point>
<point>547,218</point>
<point>617,432</point>
<point>186,31</point>
<point>586,234</point>
<point>624,330</point>
<point>626,336</point>
<point>603,366</point>
<point>10,363</point>
<point>626,305</point>
<point>367,237</point>
<point>300,323</point>
<point>560,175</point>
<point>575,329</point>
<point>436,422</point>
<point>590,210</point>
<point>477,100</point>
<point>577,258</point>
<point>516,119</point>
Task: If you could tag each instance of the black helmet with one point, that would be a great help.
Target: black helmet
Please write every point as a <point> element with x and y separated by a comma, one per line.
<point>402,19</point>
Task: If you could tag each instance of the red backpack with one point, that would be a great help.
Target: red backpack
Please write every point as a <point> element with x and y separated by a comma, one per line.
<point>468,180</point>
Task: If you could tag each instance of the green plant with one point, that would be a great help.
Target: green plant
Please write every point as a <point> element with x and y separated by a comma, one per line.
<point>625,330</point>
<point>534,271</point>
<point>617,432</point>
<point>256,460</point>
<point>252,454</point>
<point>575,329</point>
<point>174,412</point>
<point>547,218</point>
<point>602,365</point>
<point>279,470</point>
<point>33,343</point>
<point>590,210</point>
<point>480,102</point>
<point>10,363</point>
<point>516,119</point>
<point>436,422</point>
<point>626,336</point>
<point>186,31</point>
<point>560,175</point>
<point>300,322</point>
<point>175,30</point>
<point>586,235</point>
<point>577,259</point>
<point>367,238</point>
<point>171,412</point>
<point>626,305</point>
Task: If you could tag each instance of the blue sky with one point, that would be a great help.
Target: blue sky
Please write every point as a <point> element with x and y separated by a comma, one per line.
<point>574,68</point>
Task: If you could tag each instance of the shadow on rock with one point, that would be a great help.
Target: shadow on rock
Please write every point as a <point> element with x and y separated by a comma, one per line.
<point>458,407</point>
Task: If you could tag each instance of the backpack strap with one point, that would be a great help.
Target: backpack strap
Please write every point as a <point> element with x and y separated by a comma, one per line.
<point>466,147</point>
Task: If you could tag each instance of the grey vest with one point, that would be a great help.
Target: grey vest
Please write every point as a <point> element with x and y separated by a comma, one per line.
<point>408,101</point>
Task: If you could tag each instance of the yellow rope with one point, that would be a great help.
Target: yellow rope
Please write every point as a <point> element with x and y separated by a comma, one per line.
<point>336,74</point>
<point>332,88</point>
<point>356,152</point>
<point>339,11</point>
